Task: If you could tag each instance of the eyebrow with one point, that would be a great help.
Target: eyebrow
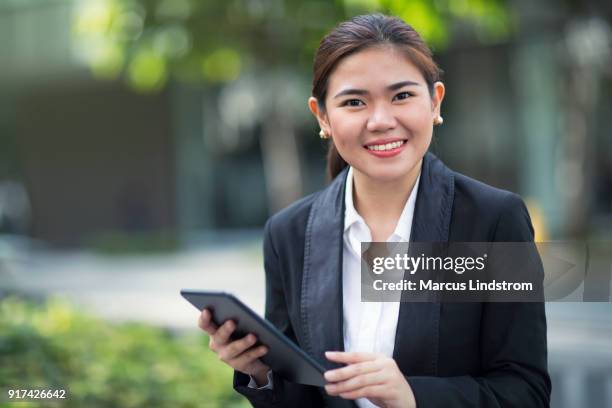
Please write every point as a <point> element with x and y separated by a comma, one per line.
<point>392,87</point>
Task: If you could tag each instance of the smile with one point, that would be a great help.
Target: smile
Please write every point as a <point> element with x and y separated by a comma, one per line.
<point>388,146</point>
<point>384,150</point>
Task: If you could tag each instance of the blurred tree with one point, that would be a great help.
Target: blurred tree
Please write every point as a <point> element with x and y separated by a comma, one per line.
<point>148,42</point>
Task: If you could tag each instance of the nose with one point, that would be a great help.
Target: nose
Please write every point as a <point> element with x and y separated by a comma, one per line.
<point>382,119</point>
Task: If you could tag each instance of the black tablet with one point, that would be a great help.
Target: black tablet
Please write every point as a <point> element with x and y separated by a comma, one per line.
<point>283,357</point>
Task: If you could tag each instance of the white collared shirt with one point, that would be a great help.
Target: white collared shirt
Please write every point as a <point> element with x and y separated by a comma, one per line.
<point>368,326</point>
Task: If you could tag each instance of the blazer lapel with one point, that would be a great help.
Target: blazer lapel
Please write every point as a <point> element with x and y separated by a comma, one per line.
<point>416,339</point>
<point>321,295</point>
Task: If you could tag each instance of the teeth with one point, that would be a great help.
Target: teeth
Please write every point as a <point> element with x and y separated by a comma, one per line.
<point>387,146</point>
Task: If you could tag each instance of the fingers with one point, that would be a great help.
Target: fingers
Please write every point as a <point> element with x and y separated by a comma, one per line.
<point>224,332</point>
<point>372,391</point>
<point>235,348</point>
<point>350,357</point>
<point>246,359</point>
<point>205,322</point>
<point>378,380</point>
<point>239,354</point>
<point>221,337</point>
<point>357,383</point>
<point>353,370</point>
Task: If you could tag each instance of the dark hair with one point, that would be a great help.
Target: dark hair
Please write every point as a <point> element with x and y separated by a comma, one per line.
<point>355,35</point>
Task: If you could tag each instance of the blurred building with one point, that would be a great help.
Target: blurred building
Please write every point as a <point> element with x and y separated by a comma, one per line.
<point>527,114</point>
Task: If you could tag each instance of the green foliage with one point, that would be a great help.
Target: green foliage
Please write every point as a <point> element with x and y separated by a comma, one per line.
<point>53,346</point>
<point>216,41</point>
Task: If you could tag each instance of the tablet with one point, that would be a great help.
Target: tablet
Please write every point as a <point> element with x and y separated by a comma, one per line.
<point>283,357</point>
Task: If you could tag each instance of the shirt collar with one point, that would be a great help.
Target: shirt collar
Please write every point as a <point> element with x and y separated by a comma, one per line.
<point>351,215</point>
<point>404,223</point>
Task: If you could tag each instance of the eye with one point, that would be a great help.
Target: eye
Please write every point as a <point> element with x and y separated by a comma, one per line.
<point>352,103</point>
<point>403,95</point>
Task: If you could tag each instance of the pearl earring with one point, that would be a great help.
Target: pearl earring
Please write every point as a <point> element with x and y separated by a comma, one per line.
<point>323,135</point>
<point>438,121</point>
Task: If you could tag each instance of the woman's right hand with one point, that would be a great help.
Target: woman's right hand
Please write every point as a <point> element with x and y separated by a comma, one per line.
<point>238,354</point>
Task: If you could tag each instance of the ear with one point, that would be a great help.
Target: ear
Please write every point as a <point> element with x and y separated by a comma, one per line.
<point>321,116</point>
<point>437,97</point>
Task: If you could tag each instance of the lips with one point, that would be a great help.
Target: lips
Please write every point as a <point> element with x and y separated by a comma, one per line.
<point>382,142</point>
<point>386,147</point>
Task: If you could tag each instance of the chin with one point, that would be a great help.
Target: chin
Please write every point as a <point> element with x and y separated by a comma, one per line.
<point>389,173</point>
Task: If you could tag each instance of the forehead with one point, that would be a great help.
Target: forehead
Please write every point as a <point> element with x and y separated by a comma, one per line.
<point>374,67</point>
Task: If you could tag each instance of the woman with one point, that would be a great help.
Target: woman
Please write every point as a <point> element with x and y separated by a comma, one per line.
<point>377,95</point>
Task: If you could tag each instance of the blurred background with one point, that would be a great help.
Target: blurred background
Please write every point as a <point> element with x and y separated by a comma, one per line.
<point>143,144</point>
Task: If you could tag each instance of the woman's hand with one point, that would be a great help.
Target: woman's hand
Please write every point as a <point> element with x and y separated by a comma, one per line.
<point>369,375</point>
<point>238,354</point>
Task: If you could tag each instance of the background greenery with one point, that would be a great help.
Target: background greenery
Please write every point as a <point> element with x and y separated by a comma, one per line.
<point>52,345</point>
<point>147,42</point>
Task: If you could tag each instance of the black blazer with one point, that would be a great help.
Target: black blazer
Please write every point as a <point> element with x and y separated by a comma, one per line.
<point>452,354</point>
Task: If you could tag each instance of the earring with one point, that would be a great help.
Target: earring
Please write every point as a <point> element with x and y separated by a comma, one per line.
<point>323,135</point>
<point>438,121</point>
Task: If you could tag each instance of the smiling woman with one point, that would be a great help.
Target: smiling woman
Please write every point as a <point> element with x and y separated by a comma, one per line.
<point>378,106</point>
<point>377,96</point>
<point>378,76</point>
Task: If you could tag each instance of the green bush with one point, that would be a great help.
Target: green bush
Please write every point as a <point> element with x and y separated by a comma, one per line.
<point>54,346</point>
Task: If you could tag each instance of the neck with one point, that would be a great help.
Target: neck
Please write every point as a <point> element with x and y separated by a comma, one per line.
<point>381,203</point>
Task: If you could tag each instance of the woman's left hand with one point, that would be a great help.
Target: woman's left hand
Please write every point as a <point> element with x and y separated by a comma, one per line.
<point>369,375</point>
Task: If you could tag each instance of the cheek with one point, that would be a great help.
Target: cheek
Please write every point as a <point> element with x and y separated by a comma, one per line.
<point>420,118</point>
<point>346,129</point>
